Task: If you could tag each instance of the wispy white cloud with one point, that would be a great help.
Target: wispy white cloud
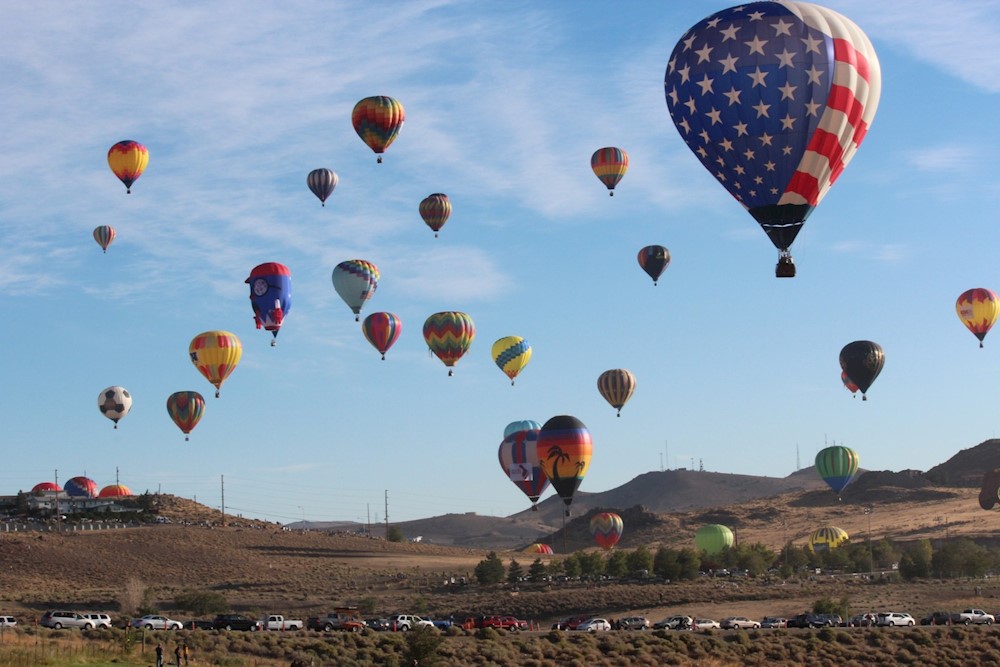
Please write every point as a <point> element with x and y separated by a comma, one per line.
<point>943,158</point>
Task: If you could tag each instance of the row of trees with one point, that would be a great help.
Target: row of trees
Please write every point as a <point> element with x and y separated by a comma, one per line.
<point>960,557</point>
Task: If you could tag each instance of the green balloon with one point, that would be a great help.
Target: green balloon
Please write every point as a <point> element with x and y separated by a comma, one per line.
<point>713,538</point>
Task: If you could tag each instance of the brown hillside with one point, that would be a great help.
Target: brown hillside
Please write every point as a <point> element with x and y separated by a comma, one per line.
<point>966,468</point>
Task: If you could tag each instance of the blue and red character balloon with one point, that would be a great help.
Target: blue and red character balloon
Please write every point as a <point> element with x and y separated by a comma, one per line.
<point>271,296</point>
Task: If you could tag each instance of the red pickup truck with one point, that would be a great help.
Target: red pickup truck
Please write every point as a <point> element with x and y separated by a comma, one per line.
<point>498,622</point>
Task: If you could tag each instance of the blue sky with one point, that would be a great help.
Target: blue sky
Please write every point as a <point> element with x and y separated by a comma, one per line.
<point>505,103</point>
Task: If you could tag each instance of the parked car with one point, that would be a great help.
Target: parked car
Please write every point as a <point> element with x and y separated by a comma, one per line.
<point>199,624</point>
<point>569,623</point>
<point>976,616</point>
<point>938,618</point>
<point>235,622</point>
<point>861,621</point>
<point>815,621</point>
<point>831,620</point>
<point>378,624</point>
<point>634,623</point>
<point>100,620</point>
<point>673,623</point>
<point>155,622</point>
<point>406,622</point>
<point>58,619</point>
<point>345,619</point>
<point>706,624</point>
<point>739,622</point>
<point>774,622</point>
<point>594,625</point>
<point>891,618</point>
<point>8,622</point>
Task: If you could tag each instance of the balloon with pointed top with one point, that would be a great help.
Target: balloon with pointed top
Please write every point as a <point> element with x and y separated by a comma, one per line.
<point>654,260</point>
<point>609,165</point>
<point>104,235</point>
<point>838,466</point>
<point>511,354</point>
<point>564,451</point>
<point>382,331</point>
<point>378,120</point>
<point>978,309</point>
<point>617,387</point>
<point>355,281</point>
<point>128,159</point>
<point>774,99</point>
<point>435,209</point>
<point>114,403</point>
<point>449,336</point>
<point>862,360</point>
<point>215,354</point>
<point>322,182</point>
<point>186,409</point>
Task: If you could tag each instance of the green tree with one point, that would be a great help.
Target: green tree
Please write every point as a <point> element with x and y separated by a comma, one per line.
<point>394,534</point>
<point>422,644</point>
<point>961,557</point>
<point>591,563</point>
<point>490,570</point>
<point>616,565</point>
<point>640,560</point>
<point>666,565</point>
<point>537,571</point>
<point>916,561</point>
<point>571,566</point>
<point>689,563</point>
<point>514,572</point>
<point>202,603</point>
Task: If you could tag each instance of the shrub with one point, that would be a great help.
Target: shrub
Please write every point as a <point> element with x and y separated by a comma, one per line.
<point>202,603</point>
<point>422,644</point>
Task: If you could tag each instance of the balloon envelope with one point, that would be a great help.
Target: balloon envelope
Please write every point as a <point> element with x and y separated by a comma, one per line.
<point>826,538</point>
<point>607,528</point>
<point>435,209</point>
<point>449,335</point>
<point>654,260</point>
<point>46,487</point>
<point>186,409</point>
<point>862,360</point>
<point>609,165</point>
<point>114,403</point>
<point>382,330</point>
<point>617,387</point>
<point>355,281</point>
<point>774,99</point>
<point>378,120</point>
<point>564,451</point>
<point>851,387</point>
<point>104,235</point>
<point>270,295</point>
<point>215,354</point>
<point>128,159</point>
<point>322,182</point>
<point>838,466</point>
<point>978,309</point>
<point>522,425</point>
<point>539,548</point>
<point>518,455</point>
<point>81,487</point>
<point>115,491</point>
<point>511,354</point>
<point>713,538</point>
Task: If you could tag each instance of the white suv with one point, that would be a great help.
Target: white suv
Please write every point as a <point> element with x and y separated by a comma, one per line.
<point>100,620</point>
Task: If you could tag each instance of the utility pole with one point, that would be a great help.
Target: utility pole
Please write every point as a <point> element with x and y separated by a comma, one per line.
<point>661,462</point>
<point>871,552</point>
<point>797,465</point>
<point>387,515</point>
<point>666,451</point>
<point>222,486</point>
<point>369,506</point>
<point>58,509</point>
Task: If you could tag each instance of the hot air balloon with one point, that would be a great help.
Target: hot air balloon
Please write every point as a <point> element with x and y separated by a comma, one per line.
<point>322,182</point>
<point>511,354</point>
<point>838,466</point>
<point>186,409</point>
<point>435,210</point>
<point>713,538</point>
<point>104,235</point>
<point>774,98</point>
<point>538,548</point>
<point>564,451</point>
<point>978,309</point>
<point>518,456</point>
<point>654,260</point>
<point>215,354</point>
<point>81,487</point>
<point>989,494</point>
<point>355,281</point>
<point>862,360</point>
<point>827,538</point>
<point>115,491</point>
<point>449,335</point>
<point>378,120</point>
<point>114,403</point>
<point>609,165</point>
<point>128,159</point>
<point>46,487</point>
<point>382,330</point>
<point>851,387</point>
<point>270,295</point>
<point>616,386</point>
<point>607,528</point>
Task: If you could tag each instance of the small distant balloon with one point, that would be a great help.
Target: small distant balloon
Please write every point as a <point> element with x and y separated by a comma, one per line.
<point>609,165</point>
<point>617,387</point>
<point>449,336</point>
<point>378,120</point>
<point>851,387</point>
<point>114,403</point>
<point>215,354</point>
<point>128,159</point>
<point>382,331</point>
<point>654,260</point>
<point>978,309</point>
<point>435,209</point>
<point>355,281</point>
<point>185,409</point>
<point>322,182</point>
<point>511,354</point>
<point>862,360</point>
<point>104,235</point>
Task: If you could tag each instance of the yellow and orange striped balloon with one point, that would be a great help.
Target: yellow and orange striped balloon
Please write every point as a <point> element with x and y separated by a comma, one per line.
<point>128,159</point>
<point>215,354</point>
<point>978,309</point>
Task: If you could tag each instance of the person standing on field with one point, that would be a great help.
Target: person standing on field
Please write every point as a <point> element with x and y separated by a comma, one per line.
<point>159,655</point>
<point>186,652</point>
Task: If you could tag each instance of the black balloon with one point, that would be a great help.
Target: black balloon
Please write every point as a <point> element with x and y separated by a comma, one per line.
<point>862,361</point>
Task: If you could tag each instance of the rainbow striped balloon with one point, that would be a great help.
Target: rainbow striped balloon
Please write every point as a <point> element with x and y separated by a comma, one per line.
<point>215,354</point>
<point>449,335</point>
<point>607,528</point>
<point>609,165</point>
<point>378,120</point>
